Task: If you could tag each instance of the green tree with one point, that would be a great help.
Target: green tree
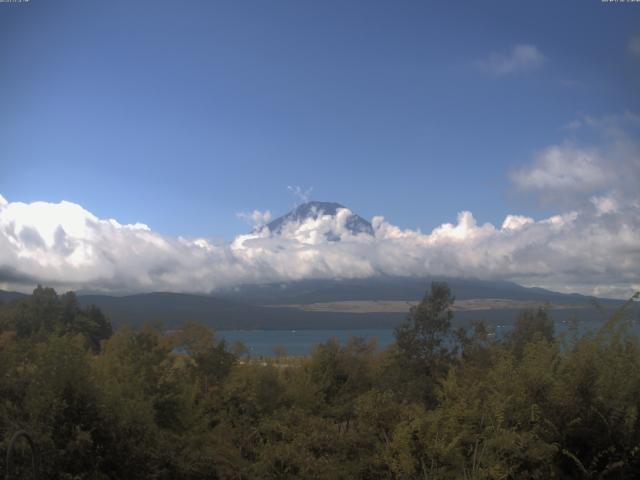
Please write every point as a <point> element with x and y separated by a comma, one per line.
<point>530,326</point>
<point>44,313</point>
<point>210,359</point>
<point>425,345</point>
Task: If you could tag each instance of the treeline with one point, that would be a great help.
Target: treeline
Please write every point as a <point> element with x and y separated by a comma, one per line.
<point>438,404</point>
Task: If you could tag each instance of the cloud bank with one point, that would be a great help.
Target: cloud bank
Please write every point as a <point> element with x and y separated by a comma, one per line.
<point>594,251</point>
<point>591,247</point>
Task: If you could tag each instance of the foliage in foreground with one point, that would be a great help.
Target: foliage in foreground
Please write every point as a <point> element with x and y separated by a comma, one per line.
<point>438,404</point>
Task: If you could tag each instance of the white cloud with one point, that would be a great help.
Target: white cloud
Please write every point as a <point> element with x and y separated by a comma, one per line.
<point>520,58</point>
<point>255,218</point>
<point>516,222</point>
<point>593,247</point>
<point>564,168</point>
<point>601,160</point>
<point>301,195</point>
<point>64,245</point>
<point>634,46</point>
<point>604,204</point>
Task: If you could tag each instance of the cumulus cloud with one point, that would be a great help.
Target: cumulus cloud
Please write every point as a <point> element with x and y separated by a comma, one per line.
<point>600,161</point>
<point>520,58</point>
<point>564,168</point>
<point>62,244</point>
<point>516,222</point>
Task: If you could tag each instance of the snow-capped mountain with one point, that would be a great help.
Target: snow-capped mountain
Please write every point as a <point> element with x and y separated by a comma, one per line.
<point>312,210</point>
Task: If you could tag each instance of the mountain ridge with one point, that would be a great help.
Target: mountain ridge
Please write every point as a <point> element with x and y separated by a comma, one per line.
<point>314,209</point>
<point>294,305</point>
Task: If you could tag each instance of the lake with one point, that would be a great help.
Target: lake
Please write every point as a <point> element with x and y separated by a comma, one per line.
<point>302,342</point>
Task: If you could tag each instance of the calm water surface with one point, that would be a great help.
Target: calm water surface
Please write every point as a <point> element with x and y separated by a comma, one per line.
<point>302,342</point>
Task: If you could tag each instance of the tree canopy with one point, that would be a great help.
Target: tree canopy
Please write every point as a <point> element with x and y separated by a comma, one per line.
<point>438,404</point>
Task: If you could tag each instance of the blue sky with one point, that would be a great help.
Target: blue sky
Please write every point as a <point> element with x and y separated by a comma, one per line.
<point>182,114</point>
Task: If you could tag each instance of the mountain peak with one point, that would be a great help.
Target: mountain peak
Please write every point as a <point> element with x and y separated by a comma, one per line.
<point>312,210</point>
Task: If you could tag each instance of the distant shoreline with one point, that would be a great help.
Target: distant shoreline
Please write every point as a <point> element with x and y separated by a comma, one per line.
<point>403,306</point>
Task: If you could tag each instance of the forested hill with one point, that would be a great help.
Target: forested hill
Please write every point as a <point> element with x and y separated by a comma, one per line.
<point>9,296</point>
<point>392,288</point>
<point>269,306</point>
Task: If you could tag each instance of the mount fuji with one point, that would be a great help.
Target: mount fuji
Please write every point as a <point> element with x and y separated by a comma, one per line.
<point>313,210</point>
